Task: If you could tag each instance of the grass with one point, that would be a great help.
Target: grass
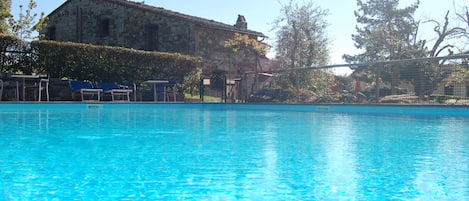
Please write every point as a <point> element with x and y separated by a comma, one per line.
<point>207,99</point>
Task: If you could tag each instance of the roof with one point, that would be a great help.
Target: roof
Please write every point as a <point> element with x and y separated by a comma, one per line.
<point>193,19</point>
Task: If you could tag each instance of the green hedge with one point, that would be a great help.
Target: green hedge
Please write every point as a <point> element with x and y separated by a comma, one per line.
<point>7,42</point>
<point>97,63</point>
<point>103,63</point>
<point>14,54</point>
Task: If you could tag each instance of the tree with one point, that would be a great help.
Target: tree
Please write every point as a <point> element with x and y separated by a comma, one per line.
<point>243,43</point>
<point>443,32</point>
<point>301,37</point>
<point>301,41</point>
<point>463,17</point>
<point>245,47</point>
<point>428,75</point>
<point>246,50</point>
<point>386,32</point>
<point>18,53</point>
<point>26,24</point>
<point>5,14</point>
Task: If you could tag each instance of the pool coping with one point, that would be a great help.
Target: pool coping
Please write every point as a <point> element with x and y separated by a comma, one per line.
<point>374,109</point>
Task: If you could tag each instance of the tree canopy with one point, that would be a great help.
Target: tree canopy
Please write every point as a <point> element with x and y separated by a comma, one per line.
<point>302,42</point>
<point>386,32</point>
<point>242,42</point>
<point>25,24</point>
<point>5,14</point>
<point>301,35</point>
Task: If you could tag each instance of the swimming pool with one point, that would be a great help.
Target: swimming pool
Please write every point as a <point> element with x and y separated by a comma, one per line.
<point>233,152</point>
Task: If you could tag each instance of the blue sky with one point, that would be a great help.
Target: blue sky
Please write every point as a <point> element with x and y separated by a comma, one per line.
<point>260,15</point>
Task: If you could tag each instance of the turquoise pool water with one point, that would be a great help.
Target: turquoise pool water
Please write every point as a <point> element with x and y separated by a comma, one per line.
<point>233,152</point>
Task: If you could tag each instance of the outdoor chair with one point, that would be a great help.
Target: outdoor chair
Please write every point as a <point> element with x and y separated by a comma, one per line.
<point>114,90</point>
<point>43,85</point>
<point>170,91</point>
<point>38,86</point>
<point>85,89</point>
<point>136,93</point>
<point>8,85</point>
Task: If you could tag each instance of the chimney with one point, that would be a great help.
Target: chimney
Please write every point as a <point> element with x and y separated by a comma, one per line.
<point>241,22</point>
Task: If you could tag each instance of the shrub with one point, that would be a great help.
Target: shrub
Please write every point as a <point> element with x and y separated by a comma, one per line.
<point>14,54</point>
<point>104,63</point>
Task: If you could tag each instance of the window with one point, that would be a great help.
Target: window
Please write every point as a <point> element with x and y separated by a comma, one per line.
<point>51,31</point>
<point>104,27</point>
<point>152,38</point>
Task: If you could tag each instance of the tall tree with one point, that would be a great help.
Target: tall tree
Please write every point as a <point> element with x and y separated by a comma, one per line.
<point>301,40</point>
<point>246,50</point>
<point>5,14</point>
<point>27,23</point>
<point>301,37</point>
<point>386,32</point>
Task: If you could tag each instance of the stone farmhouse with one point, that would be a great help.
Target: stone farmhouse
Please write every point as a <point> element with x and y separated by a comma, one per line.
<point>136,25</point>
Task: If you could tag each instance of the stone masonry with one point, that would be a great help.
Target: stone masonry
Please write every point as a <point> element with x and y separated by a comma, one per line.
<point>139,26</point>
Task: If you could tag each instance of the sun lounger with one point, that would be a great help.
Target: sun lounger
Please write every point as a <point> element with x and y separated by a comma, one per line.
<point>114,90</point>
<point>85,89</point>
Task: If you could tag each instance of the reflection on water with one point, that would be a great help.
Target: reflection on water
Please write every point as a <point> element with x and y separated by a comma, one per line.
<point>340,175</point>
<point>442,170</point>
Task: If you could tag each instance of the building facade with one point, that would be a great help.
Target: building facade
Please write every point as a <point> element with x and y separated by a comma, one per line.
<point>139,26</point>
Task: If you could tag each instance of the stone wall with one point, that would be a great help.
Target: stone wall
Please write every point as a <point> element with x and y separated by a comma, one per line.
<point>210,47</point>
<point>82,21</point>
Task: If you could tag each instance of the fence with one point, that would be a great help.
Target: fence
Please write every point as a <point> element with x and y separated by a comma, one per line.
<point>439,80</point>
